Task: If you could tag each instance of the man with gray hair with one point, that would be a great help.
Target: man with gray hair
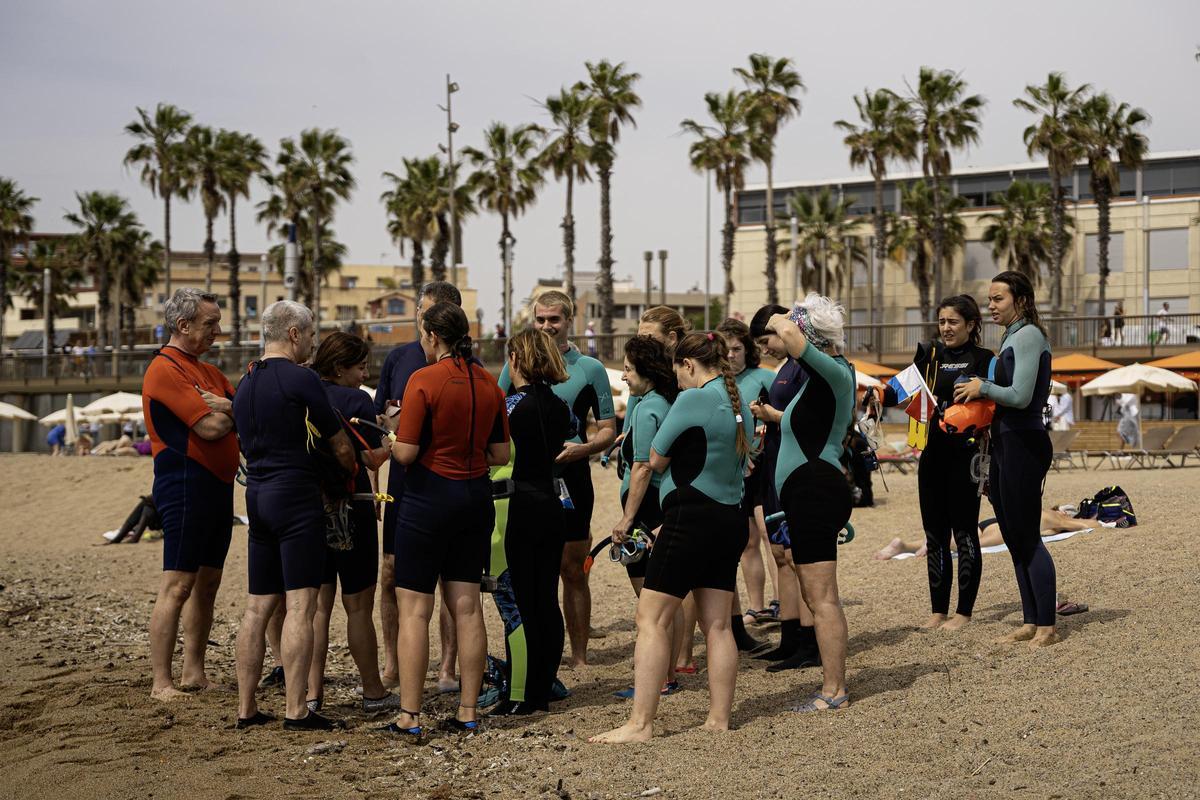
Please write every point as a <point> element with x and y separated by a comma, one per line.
<point>188,409</point>
<point>289,432</point>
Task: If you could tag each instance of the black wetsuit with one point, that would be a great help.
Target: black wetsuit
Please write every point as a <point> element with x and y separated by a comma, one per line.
<point>949,498</point>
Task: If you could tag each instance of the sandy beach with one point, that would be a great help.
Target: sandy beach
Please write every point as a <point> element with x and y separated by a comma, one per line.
<point>1112,711</point>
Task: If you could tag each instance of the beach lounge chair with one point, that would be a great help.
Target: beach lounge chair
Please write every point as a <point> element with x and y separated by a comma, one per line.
<point>1062,441</point>
<point>897,454</point>
<point>1153,441</point>
<point>1185,442</point>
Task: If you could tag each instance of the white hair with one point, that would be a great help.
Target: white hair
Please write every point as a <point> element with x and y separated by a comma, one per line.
<point>826,317</point>
<point>183,306</point>
<point>283,315</point>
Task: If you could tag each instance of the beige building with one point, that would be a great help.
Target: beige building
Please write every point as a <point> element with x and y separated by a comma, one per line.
<point>1154,253</point>
<point>378,296</point>
<point>629,302</point>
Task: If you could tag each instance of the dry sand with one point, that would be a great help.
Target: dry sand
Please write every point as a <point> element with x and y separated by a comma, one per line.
<point>1112,711</point>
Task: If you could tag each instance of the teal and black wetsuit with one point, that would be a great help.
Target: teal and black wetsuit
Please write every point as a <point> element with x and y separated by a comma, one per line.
<point>526,548</point>
<point>1021,454</point>
<point>704,531</point>
<point>949,497</point>
<point>754,383</point>
<point>586,390</point>
<point>641,426</point>
<point>812,487</point>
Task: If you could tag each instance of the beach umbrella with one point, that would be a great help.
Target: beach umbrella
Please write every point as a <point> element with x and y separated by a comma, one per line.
<point>1057,388</point>
<point>9,411</point>
<point>865,381</point>
<point>1076,368</point>
<point>69,420</point>
<point>873,370</point>
<point>1186,364</point>
<point>119,403</point>
<point>1137,378</point>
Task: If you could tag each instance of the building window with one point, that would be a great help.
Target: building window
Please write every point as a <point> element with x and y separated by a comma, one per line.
<point>349,282</point>
<point>978,264</point>
<point>1169,248</point>
<point>1116,253</point>
<point>251,307</point>
<point>395,307</point>
<point>346,313</point>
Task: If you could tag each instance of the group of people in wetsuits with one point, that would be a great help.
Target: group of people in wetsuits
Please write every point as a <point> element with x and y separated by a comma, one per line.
<point>490,482</point>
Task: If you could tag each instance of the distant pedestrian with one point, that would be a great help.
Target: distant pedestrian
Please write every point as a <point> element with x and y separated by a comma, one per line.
<point>590,335</point>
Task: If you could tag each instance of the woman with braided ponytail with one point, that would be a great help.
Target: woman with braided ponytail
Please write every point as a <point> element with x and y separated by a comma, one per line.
<point>452,427</point>
<point>808,477</point>
<point>701,447</point>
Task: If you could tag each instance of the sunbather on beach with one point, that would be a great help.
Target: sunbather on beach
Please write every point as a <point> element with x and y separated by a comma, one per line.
<point>1053,521</point>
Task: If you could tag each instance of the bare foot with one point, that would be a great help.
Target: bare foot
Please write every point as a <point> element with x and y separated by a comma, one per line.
<point>625,734</point>
<point>711,724</point>
<point>166,694</point>
<point>894,548</point>
<point>577,664</point>
<point>1044,639</point>
<point>446,685</point>
<point>1021,634</point>
<point>204,685</point>
<point>934,621</point>
<point>389,682</point>
<point>922,551</point>
<point>957,622</point>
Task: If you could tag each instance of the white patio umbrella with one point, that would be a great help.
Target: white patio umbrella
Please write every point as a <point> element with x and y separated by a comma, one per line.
<point>1137,378</point>
<point>865,381</point>
<point>9,411</point>
<point>119,403</point>
<point>69,421</point>
<point>1057,388</point>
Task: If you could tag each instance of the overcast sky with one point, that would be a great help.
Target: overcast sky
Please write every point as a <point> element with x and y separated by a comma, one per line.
<point>71,75</point>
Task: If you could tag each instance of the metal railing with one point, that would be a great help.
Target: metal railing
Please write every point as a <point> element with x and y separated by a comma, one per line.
<point>892,340</point>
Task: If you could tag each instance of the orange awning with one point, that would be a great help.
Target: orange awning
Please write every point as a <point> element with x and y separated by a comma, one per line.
<point>1186,364</point>
<point>874,370</point>
<point>1074,369</point>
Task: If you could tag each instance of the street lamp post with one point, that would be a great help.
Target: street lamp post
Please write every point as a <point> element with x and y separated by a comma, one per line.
<point>795,248</point>
<point>451,127</point>
<point>707,249</point>
<point>662,277</point>
<point>262,300</point>
<point>649,256</point>
<point>45,322</point>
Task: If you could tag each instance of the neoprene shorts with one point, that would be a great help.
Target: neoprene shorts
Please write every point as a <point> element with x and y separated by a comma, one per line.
<point>699,547</point>
<point>817,502</point>
<point>286,541</point>
<point>443,530</point>
<point>196,508</point>
<point>577,522</point>
<point>650,516</point>
<point>358,567</point>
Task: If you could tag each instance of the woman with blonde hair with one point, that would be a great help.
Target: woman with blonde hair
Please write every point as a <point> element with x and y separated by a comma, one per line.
<point>527,544</point>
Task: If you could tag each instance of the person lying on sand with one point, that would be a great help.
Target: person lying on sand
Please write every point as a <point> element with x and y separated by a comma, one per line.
<point>1053,521</point>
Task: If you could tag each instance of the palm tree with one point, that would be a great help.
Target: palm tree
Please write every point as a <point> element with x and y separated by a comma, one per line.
<point>911,236</point>
<point>826,247</point>
<point>160,152</point>
<point>201,163</point>
<point>65,276</point>
<point>505,181</point>
<point>283,210</point>
<point>412,204</point>
<point>15,223</point>
<point>464,206</point>
<point>568,154</point>
<point>104,221</point>
<point>242,157</point>
<point>329,260</point>
<point>609,89</point>
<point>137,266</point>
<point>723,149</point>
<point>1051,136</point>
<point>1111,139</point>
<point>887,133</point>
<point>946,119</point>
<point>771,85</point>
<point>1022,233</point>
<point>324,169</point>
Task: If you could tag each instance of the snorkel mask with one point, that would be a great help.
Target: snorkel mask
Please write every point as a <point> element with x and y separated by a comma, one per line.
<point>630,551</point>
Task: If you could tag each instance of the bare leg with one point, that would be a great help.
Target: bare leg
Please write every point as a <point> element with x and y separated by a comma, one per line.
<point>684,656</point>
<point>712,608</point>
<point>197,624</point>
<point>577,599</point>
<point>772,568</point>
<point>297,647</point>
<point>174,589</point>
<point>753,570</point>
<point>416,609</point>
<point>274,632</point>
<point>818,582</point>
<point>251,648</point>
<point>389,619</point>
<point>360,636</point>
<point>466,610</point>
<point>651,657</point>
<point>446,680</point>
<point>320,651</point>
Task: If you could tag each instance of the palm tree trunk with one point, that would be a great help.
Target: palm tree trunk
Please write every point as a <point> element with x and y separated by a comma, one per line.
<point>880,259</point>
<point>506,273</point>
<point>1056,247</point>
<point>772,285</point>
<point>568,226</point>
<point>604,290</point>
<point>104,302</point>
<point>922,270</point>
<point>3,289</point>
<point>210,252</point>
<point>418,264</point>
<point>938,237</point>
<point>235,278</point>
<point>167,241</point>
<point>1103,234</point>
<point>441,246</point>
<point>727,248</point>
<point>316,271</point>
